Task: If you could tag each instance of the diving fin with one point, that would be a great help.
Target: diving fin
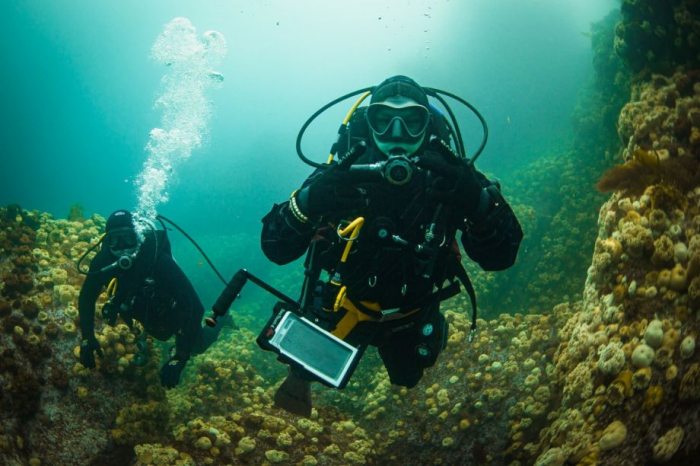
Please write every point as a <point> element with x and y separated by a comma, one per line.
<point>294,395</point>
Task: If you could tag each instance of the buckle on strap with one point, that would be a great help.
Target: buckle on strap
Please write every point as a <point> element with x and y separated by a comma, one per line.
<point>389,314</point>
<point>377,315</point>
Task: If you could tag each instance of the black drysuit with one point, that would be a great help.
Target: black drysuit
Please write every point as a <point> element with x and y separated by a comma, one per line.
<point>390,272</point>
<point>156,293</point>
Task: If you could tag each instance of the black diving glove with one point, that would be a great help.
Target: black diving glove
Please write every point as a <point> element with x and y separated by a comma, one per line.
<point>170,372</point>
<point>330,192</point>
<point>456,183</point>
<point>88,347</point>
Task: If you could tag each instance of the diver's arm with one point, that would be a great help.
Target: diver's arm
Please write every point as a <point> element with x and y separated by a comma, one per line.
<point>89,292</point>
<point>86,305</point>
<point>492,235</point>
<point>284,238</point>
<point>189,306</point>
<point>289,227</point>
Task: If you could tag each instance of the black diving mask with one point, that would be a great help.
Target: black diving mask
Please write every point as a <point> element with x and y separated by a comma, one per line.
<point>389,120</point>
<point>123,243</point>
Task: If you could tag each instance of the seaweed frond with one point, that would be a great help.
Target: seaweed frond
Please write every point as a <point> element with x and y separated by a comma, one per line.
<point>641,170</point>
<point>76,213</point>
<point>645,168</point>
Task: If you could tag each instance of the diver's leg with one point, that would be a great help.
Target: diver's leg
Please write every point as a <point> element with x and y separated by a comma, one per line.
<point>294,395</point>
<point>208,335</point>
<point>400,359</point>
<point>406,354</point>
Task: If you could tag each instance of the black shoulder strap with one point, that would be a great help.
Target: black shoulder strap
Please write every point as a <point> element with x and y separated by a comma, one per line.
<point>456,269</point>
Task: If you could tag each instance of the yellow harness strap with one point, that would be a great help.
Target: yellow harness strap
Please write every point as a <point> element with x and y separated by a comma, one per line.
<point>354,315</point>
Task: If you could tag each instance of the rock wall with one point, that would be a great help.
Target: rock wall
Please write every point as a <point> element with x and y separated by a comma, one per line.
<point>627,366</point>
<point>612,379</point>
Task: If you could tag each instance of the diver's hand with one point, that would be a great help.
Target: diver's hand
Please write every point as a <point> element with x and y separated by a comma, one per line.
<point>456,182</point>
<point>88,347</point>
<point>170,372</point>
<point>330,192</point>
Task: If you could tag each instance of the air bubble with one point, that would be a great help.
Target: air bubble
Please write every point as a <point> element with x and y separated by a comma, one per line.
<point>186,110</point>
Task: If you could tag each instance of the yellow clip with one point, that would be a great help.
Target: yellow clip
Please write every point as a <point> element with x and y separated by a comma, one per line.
<point>340,299</point>
<point>112,288</point>
<point>354,230</point>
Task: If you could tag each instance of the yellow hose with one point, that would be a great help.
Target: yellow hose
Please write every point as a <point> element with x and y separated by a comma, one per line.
<point>112,288</point>
<point>340,298</point>
<point>349,115</point>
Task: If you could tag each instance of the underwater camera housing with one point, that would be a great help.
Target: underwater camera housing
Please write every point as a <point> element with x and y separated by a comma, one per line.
<point>297,341</point>
<point>303,344</point>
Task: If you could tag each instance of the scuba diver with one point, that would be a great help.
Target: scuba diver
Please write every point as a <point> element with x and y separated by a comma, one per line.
<point>145,284</point>
<point>409,191</point>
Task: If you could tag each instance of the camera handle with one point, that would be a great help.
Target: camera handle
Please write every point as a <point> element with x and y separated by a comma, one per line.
<point>233,289</point>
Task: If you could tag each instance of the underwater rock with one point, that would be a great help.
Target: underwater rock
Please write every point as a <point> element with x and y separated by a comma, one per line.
<point>657,36</point>
<point>580,384</point>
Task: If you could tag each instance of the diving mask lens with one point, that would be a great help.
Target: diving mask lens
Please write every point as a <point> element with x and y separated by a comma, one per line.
<point>124,240</point>
<point>413,118</point>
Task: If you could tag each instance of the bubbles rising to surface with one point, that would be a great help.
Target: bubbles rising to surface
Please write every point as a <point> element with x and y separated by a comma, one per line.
<point>186,111</point>
<point>215,45</point>
<point>177,43</point>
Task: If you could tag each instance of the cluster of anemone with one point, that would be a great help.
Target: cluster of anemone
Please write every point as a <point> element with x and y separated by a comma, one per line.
<point>592,381</point>
<point>658,36</point>
<point>119,347</point>
<point>39,333</point>
<point>629,356</point>
<point>140,423</point>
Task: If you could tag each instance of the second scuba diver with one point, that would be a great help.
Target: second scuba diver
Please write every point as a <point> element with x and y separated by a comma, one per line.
<point>147,285</point>
<point>384,284</point>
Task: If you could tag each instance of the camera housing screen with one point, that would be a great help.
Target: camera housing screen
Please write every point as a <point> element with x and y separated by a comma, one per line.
<point>317,351</point>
